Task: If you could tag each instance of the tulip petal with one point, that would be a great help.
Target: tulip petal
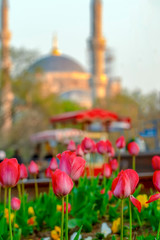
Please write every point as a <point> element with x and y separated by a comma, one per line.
<point>134,179</point>
<point>156,182</point>
<point>154,198</point>
<point>136,203</point>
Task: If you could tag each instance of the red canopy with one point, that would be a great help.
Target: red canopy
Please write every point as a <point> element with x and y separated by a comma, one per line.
<point>88,116</point>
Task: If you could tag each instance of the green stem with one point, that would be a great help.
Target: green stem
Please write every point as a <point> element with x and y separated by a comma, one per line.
<point>158,233</point>
<point>14,221</point>
<point>130,220</point>
<point>23,197</point>
<point>19,190</point>
<point>5,198</point>
<point>10,224</point>
<point>122,219</point>
<point>66,223</point>
<point>134,162</point>
<point>50,185</point>
<point>119,160</point>
<point>36,186</point>
<point>138,218</point>
<point>62,219</point>
<point>107,158</point>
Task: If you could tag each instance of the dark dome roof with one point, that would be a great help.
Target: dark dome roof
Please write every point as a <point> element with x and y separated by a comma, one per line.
<point>54,63</point>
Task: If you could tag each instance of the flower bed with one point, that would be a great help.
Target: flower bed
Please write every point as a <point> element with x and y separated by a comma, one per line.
<point>112,209</point>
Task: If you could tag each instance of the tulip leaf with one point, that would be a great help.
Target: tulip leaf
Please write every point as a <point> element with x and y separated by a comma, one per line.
<point>78,233</point>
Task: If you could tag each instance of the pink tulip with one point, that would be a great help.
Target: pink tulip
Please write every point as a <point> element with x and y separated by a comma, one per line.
<point>79,151</point>
<point>72,165</point>
<point>33,168</point>
<point>107,170</point>
<point>156,182</point>
<point>101,147</point>
<point>125,183</point>
<point>111,153</point>
<point>102,191</point>
<point>23,172</point>
<point>108,146</point>
<point>114,164</point>
<point>94,147</point>
<point>15,204</point>
<point>62,183</point>
<point>71,146</point>
<point>120,143</point>
<point>48,173</point>
<point>156,162</point>
<point>53,164</point>
<point>133,148</point>
<point>9,172</point>
<point>86,144</point>
<point>110,194</point>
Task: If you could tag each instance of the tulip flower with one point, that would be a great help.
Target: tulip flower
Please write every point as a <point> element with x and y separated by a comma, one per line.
<point>79,151</point>
<point>106,170</point>
<point>9,172</point>
<point>62,183</point>
<point>72,165</point>
<point>114,164</point>
<point>123,186</point>
<point>87,144</point>
<point>120,143</point>
<point>156,183</point>
<point>108,146</point>
<point>34,170</point>
<point>101,147</point>
<point>9,177</point>
<point>133,150</point>
<point>111,153</point>
<point>71,146</point>
<point>62,186</point>
<point>15,204</point>
<point>53,164</point>
<point>48,173</point>
<point>23,172</point>
<point>156,162</point>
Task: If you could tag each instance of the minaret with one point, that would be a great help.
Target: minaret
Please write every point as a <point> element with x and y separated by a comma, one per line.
<point>6,93</point>
<point>97,45</point>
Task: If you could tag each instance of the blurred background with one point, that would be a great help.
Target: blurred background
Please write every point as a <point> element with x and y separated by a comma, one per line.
<point>68,57</point>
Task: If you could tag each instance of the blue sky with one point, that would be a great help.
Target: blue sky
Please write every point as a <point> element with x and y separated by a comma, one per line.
<point>131,28</point>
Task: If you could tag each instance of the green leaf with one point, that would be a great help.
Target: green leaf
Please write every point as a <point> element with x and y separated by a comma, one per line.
<point>78,233</point>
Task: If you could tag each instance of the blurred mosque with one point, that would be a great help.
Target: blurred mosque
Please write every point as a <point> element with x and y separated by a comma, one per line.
<point>63,75</point>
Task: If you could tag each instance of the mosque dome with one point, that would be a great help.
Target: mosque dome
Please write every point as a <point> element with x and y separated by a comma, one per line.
<point>57,63</point>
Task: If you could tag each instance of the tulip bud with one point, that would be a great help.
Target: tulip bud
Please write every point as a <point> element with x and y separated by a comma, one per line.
<point>79,151</point>
<point>9,172</point>
<point>86,144</point>
<point>114,164</point>
<point>72,165</point>
<point>62,183</point>
<point>111,153</point>
<point>33,168</point>
<point>156,162</point>
<point>133,148</point>
<point>106,170</point>
<point>15,204</point>
<point>101,147</point>
<point>120,143</point>
<point>53,164</point>
<point>48,173</point>
<point>156,180</point>
<point>23,172</point>
<point>71,146</point>
<point>108,146</point>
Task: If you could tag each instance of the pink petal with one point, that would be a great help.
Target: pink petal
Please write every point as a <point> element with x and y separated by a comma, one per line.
<point>153,198</point>
<point>136,203</point>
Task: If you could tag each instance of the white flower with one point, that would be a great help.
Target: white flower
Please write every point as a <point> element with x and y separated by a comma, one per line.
<point>105,229</point>
<point>73,236</point>
<point>88,238</point>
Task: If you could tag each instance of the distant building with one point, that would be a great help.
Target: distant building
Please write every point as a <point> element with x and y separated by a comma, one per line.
<point>64,76</point>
